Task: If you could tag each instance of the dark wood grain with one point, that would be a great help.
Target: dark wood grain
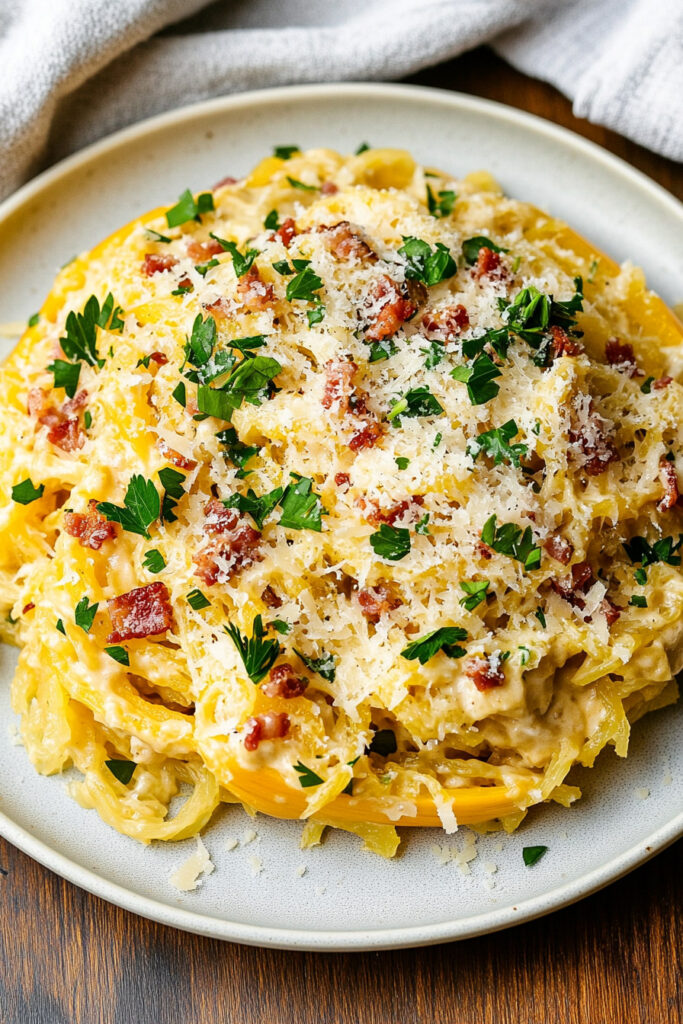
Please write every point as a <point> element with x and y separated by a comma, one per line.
<point>69,958</point>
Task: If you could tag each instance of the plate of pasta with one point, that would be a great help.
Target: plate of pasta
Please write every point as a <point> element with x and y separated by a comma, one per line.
<point>341,525</point>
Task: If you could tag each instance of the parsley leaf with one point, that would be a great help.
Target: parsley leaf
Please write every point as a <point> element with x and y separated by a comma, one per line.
<point>249,381</point>
<point>179,393</point>
<point>187,209</point>
<point>383,743</point>
<point>417,402</point>
<point>664,550</point>
<point>302,186</point>
<point>532,854</point>
<point>314,316</point>
<point>363,148</point>
<point>509,539</point>
<point>646,386</point>
<point>479,378</point>
<point>324,665</point>
<point>301,507</point>
<point>445,639</point>
<point>402,462</point>
<point>197,600</point>
<point>383,349</point>
<point>25,492</point>
<point>498,339</point>
<point>202,340</point>
<point>119,654</point>
<point>258,655</point>
<point>640,576</point>
<point>307,777</point>
<point>236,451</point>
<point>246,345</point>
<point>471,247</point>
<point>304,285</point>
<point>425,264</point>
<point>422,526</point>
<point>153,561</point>
<point>475,593</point>
<point>271,223</point>
<point>259,508</point>
<point>638,601</point>
<point>285,152</point>
<point>156,237</point>
<point>540,615</point>
<point>441,206</point>
<point>433,354</point>
<point>66,375</point>
<point>241,261</point>
<point>280,626</point>
<point>172,481</point>
<point>33,320</point>
<point>121,770</point>
<point>391,542</point>
<point>59,625</point>
<point>85,614</point>
<point>495,443</point>
<point>141,506</point>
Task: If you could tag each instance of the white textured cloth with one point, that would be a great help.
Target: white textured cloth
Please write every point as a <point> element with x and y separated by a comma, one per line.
<point>72,71</point>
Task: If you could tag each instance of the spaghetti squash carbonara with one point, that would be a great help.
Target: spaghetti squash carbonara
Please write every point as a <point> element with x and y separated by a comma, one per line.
<point>346,491</point>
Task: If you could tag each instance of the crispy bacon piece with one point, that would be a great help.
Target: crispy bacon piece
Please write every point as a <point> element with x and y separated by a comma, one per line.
<point>285,232</point>
<point>284,682</point>
<point>376,515</point>
<point>270,598</point>
<point>159,358</point>
<point>145,611</point>
<point>227,180</point>
<point>563,344</point>
<point>171,455</point>
<point>345,243</point>
<point>483,674</point>
<point>231,540</point>
<point>63,423</point>
<point>597,446</point>
<point>339,385</point>
<point>488,264</point>
<point>610,610</point>
<point>662,383</point>
<point>377,601</point>
<point>559,548</point>
<point>253,292</point>
<point>445,324</point>
<point>328,188</point>
<point>577,583</point>
<point>201,251</point>
<point>367,436</point>
<point>90,528</point>
<point>669,478</point>
<point>621,356</point>
<point>272,725</point>
<point>157,262</point>
<point>27,608</point>
<point>342,479</point>
<point>392,312</point>
<point>483,550</point>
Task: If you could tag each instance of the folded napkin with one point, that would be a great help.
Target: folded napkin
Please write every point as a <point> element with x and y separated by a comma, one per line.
<point>75,70</point>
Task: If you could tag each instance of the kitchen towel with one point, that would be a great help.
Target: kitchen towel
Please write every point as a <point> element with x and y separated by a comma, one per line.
<point>72,71</point>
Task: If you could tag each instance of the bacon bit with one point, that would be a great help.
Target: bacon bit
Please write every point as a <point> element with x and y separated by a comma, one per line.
<point>253,292</point>
<point>483,550</point>
<point>577,583</point>
<point>610,610</point>
<point>662,383</point>
<point>270,598</point>
<point>563,344</point>
<point>376,515</point>
<point>667,474</point>
<point>342,479</point>
<point>366,437</point>
<point>394,312</point>
<point>285,232</point>
<point>273,725</point>
<point>27,608</point>
<point>345,243</point>
<point>227,180</point>
<point>200,251</point>
<point>158,262</point>
<point>559,548</point>
<point>621,355</point>
<point>90,528</point>
<point>445,324</point>
<point>64,427</point>
<point>376,601</point>
<point>231,538</point>
<point>482,673</point>
<point>597,446</point>
<point>145,611</point>
<point>328,188</point>
<point>339,386</point>
<point>284,682</point>
<point>159,358</point>
<point>171,455</point>
<point>488,264</point>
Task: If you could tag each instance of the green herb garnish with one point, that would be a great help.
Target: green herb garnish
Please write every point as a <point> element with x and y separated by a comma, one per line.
<point>532,854</point>
<point>304,285</point>
<point>445,639</point>
<point>324,665</point>
<point>496,444</point>
<point>509,539</point>
<point>301,507</point>
<point>119,654</point>
<point>259,508</point>
<point>121,770</point>
<point>391,542</point>
<point>197,600</point>
<point>640,550</point>
<point>85,614</point>
<point>153,561</point>
<point>475,593</point>
<point>479,378</point>
<point>187,209</point>
<point>302,186</point>
<point>638,601</point>
<point>471,247</point>
<point>24,493</point>
<point>285,152</point>
<point>307,777</point>
<point>141,506</point>
<point>258,654</point>
<point>417,402</point>
<point>441,205</point>
<point>241,261</point>
<point>425,264</point>
<point>236,451</point>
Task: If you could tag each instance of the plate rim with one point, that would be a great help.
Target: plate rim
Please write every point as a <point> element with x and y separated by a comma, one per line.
<point>400,937</point>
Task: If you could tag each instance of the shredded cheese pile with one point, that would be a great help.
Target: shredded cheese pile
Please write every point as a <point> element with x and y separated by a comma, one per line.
<point>347,491</point>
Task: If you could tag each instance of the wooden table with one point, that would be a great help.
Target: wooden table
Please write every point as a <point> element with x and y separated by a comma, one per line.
<point>69,958</point>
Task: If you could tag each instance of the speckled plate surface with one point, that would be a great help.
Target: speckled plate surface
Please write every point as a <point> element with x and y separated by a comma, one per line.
<point>346,898</point>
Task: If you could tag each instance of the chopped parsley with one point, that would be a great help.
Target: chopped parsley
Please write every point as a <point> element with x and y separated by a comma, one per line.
<point>475,593</point>
<point>363,148</point>
<point>471,247</point>
<point>638,601</point>
<point>496,444</point>
<point>540,615</point>
<point>188,209</point>
<point>640,576</point>
<point>441,205</point>
<point>121,770</point>
<point>646,386</point>
<point>259,508</point>
<point>437,440</point>
<point>383,743</point>
<point>241,261</point>
<point>433,354</point>
<point>271,223</point>
<point>383,349</point>
<point>87,419</point>
<point>497,339</point>
<point>285,269</point>
<point>509,539</point>
<point>119,654</point>
<point>204,268</point>
<point>307,777</point>
<point>141,506</point>
<point>197,600</point>
<point>532,854</point>
<point>25,492</point>
<point>59,625</point>
<point>302,509</point>
<point>236,451</point>
<point>85,613</point>
<point>258,654</point>
<point>402,462</point>
<point>249,382</point>
<point>423,527</point>
<point>391,542</point>
<point>324,665</point>
<point>479,378</point>
<point>156,237</point>
<point>302,186</point>
<point>172,481</point>
<point>179,393</point>
<point>66,375</point>
<point>79,343</point>
<point>524,654</point>
<point>314,316</point>
<point>531,315</point>
<point>592,270</point>
<point>664,550</point>
<point>153,561</point>
<point>417,402</point>
<point>33,320</point>
<point>304,285</point>
<point>247,345</point>
<point>285,152</point>
<point>426,264</point>
<point>446,639</point>
<point>280,626</point>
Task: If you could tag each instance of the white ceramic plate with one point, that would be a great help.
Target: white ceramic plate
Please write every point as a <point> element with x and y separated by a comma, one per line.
<point>347,899</point>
